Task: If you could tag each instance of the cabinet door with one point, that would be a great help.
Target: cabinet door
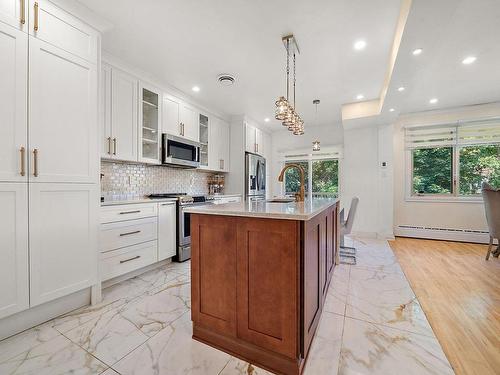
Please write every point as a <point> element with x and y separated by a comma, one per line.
<point>63,116</point>
<point>105,113</point>
<point>259,141</point>
<point>224,145</point>
<point>14,295</point>
<point>150,104</point>
<point>124,115</point>
<point>167,224</point>
<point>214,144</point>
<point>13,104</point>
<point>268,285</point>
<point>14,13</point>
<point>63,239</point>
<point>171,116</point>
<point>189,120</point>
<point>53,25</point>
<point>213,264</point>
<point>250,138</point>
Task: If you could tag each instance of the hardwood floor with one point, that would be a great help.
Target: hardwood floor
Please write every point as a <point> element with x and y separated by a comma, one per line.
<point>460,294</point>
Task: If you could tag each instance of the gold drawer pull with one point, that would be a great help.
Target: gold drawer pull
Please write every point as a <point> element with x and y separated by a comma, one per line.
<point>128,260</point>
<point>109,145</point>
<point>129,233</point>
<point>35,162</point>
<point>130,212</point>
<point>23,156</point>
<point>23,11</point>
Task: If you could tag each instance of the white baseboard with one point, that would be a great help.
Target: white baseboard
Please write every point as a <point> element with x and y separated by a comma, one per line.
<point>40,314</point>
<point>443,234</point>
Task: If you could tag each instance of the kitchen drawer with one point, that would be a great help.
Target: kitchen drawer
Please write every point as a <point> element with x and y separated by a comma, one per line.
<point>126,233</point>
<point>121,261</point>
<point>110,214</point>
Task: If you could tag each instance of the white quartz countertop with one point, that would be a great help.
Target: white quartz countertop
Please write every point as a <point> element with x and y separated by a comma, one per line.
<point>263,209</point>
<point>112,202</point>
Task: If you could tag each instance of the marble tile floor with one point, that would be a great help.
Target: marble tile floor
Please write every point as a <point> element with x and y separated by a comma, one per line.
<point>372,324</point>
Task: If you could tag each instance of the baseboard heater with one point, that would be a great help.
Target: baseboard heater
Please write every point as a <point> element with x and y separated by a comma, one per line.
<point>461,235</point>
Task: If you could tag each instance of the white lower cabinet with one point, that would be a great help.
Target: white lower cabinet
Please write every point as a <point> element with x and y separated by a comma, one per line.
<point>133,236</point>
<point>63,238</point>
<point>167,225</point>
<point>14,287</point>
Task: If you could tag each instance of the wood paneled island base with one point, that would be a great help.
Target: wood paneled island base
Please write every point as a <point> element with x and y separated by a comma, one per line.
<point>259,284</point>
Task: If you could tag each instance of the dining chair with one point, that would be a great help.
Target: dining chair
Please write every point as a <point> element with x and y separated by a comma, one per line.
<point>491,197</point>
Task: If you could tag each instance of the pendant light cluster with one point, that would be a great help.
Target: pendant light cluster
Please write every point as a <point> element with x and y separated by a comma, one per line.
<point>285,110</point>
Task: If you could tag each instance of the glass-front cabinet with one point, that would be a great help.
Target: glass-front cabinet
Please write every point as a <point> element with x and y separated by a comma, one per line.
<point>204,139</point>
<point>150,137</point>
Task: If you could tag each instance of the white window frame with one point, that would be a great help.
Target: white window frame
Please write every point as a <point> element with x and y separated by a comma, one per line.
<point>455,196</point>
<point>326,153</point>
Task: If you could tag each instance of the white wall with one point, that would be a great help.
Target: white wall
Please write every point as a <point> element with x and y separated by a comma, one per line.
<point>454,215</point>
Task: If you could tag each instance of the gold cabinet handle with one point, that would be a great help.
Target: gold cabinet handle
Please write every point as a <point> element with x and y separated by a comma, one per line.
<point>109,145</point>
<point>23,10</point>
<point>114,146</point>
<point>35,162</point>
<point>222,164</point>
<point>23,157</point>
<point>35,26</point>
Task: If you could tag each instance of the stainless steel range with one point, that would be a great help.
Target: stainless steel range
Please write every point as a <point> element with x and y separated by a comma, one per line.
<point>184,220</point>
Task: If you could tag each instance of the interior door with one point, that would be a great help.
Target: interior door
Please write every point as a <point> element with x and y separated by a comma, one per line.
<point>14,13</point>
<point>14,291</point>
<point>124,91</point>
<point>13,103</point>
<point>63,224</point>
<point>63,116</point>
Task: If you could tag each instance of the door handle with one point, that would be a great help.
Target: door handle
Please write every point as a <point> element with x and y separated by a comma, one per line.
<point>23,11</point>
<point>23,156</point>
<point>35,162</point>
<point>35,25</point>
<point>109,145</point>
<point>114,146</point>
<point>168,204</point>
<point>130,212</point>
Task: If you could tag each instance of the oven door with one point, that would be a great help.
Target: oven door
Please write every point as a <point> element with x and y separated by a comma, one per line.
<point>185,224</point>
<point>180,152</point>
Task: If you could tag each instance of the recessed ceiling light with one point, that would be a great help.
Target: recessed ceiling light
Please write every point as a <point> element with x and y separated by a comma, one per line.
<point>360,96</point>
<point>359,45</point>
<point>417,51</point>
<point>469,60</point>
<point>267,119</point>
<point>401,89</point>
<point>196,89</point>
<point>391,110</point>
<point>433,101</point>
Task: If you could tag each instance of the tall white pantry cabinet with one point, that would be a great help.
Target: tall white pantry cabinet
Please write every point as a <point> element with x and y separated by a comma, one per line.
<point>49,166</point>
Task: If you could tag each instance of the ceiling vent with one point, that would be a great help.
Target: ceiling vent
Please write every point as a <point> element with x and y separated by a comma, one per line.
<point>226,79</point>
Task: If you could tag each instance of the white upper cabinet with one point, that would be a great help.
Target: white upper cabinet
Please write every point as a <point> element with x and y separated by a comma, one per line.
<point>224,137</point>
<point>150,105</point>
<point>250,138</point>
<point>63,249</point>
<point>63,116</point>
<point>219,145</point>
<point>189,122</point>
<point>259,141</point>
<point>14,290</point>
<point>167,224</point>
<point>13,104</point>
<point>105,113</point>
<point>14,13</point>
<point>180,119</point>
<point>124,90</point>
<point>50,23</point>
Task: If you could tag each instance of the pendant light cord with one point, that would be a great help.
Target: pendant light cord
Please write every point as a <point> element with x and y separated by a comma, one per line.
<point>287,68</point>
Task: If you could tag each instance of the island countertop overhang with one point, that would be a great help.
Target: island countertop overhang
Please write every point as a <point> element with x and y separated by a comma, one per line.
<point>268,210</point>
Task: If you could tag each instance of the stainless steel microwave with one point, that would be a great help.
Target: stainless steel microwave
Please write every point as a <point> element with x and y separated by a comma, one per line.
<point>180,152</point>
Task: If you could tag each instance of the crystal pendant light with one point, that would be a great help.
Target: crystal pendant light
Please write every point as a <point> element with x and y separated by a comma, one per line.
<point>281,108</point>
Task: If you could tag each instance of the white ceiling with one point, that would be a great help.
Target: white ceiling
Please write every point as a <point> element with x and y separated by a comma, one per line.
<point>190,42</point>
<point>448,31</point>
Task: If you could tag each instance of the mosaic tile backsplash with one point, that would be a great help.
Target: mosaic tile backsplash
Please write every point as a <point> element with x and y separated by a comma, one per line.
<point>123,179</point>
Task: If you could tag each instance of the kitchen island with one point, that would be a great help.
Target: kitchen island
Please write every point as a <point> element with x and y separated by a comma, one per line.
<point>260,272</point>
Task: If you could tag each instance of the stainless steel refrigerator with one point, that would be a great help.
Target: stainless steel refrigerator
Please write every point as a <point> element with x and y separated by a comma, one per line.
<point>255,177</point>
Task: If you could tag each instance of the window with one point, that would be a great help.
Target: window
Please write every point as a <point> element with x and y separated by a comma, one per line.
<point>454,160</point>
<point>292,177</point>
<point>325,178</point>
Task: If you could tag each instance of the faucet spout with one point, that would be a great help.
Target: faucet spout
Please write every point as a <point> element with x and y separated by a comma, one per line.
<point>299,197</point>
